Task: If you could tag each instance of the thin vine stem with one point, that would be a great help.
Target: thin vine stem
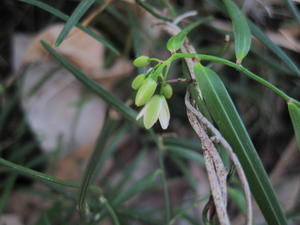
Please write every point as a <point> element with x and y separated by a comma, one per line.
<point>240,68</point>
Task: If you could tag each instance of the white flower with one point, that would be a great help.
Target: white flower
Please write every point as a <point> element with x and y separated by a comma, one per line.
<point>156,109</point>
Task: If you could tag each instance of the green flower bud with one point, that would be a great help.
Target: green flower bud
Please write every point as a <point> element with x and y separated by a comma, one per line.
<point>145,92</point>
<point>138,81</point>
<point>167,91</point>
<point>152,111</point>
<point>141,61</point>
<point>156,109</point>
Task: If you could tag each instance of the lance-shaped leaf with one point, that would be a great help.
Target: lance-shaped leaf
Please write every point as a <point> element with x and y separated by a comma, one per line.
<point>261,36</point>
<point>65,17</point>
<point>175,42</point>
<point>144,183</point>
<point>232,128</point>
<point>82,7</point>
<point>294,111</point>
<point>241,31</point>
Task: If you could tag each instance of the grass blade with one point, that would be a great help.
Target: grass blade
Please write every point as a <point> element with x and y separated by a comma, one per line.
<point>41,176</point>
<point>260,35</point>
<point>140,215</point>
<point>92,164</point>
<point>241,31</point>
<point>110,211</point>
<point>186,153</point>
<point>126,111</point>
<point>140,185</point>
<point>65,17</point>
<point>82,7</point>
<point>238,198</point>
<point>294,111</point>
<point>8,186</point>
<point>232,128</point>
<point>128,172</point>
<point>190,143</point>
<point>112,147</point>
<point>293,8</point>
<point>185,171</point>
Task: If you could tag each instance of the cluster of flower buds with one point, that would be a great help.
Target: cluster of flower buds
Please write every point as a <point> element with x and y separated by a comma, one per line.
<point>155,105</point>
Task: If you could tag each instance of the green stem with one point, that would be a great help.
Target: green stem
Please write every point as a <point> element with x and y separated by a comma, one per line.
<point>240,68</point>
<point>159,142</point>
<point>165,185</point>
<point>155,60</point>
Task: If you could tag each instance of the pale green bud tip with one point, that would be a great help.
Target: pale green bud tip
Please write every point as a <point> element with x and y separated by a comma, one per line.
<point>138,81</point>
<point>141,61</point>
<point>156,109</point>
<point>167,91</point>
<point>145,92</point>
<point>152,111</point>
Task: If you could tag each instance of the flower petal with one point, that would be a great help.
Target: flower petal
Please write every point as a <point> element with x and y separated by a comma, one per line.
<point>152,111</point>
<point>164,116</point>
<point>141,113</point>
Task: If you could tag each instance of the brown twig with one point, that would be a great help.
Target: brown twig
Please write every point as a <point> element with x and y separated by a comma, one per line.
<point>216,171</point>
<point>218,138</point>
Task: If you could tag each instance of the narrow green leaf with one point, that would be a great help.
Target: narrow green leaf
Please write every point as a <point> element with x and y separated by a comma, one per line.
<point>65,17</point>
<point>186,153</point>
<point>232,128</point>
<point>175,42</point>
<point>7,189</point>
<point>111,211</point>
<point>189,143</point>
<point>8,108</point>
<point>127,112</point>
<point>92,164</point>
<point>112,147</point>
<point>140,214</point>
<point>293,8</point>
<point>260,35</point>
<point>46,220</point>
<point>182,213</point>
<point>41,176</point>
<point>238,197</point>
<point>241,31</point>
<point>294,111</point>
<point>81,9</point>
<point>128,172</point>
<point>140,185</point>
<point>185,171</point>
